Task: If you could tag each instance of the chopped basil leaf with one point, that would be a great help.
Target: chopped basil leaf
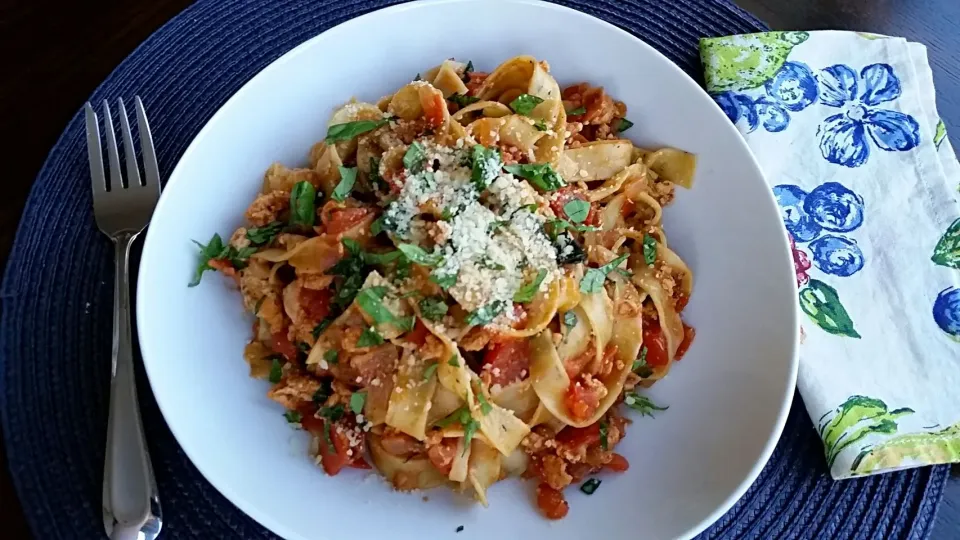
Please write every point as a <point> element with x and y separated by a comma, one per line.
<point>293,417</point>
<point>352,269</point>
<point>592,281</point>
<point>569,319</point>
<point>381,258</point>
<point>485,314</point>
<point>357,399</point>
<point>568,250</point>
<point>433,308</point>
<point>304,346</point>
<point>369,300</point>
<point>326,437</point>
<point>320,327</point>
<point>649,250</point>
<point>462,100</point>
<point>256,307</point>
<point>431,369</point>
<point>417,78</point>
<point>590,486</point>
<point>559,225</point>
<point>642,361</point>
<point>624,125</point>
<point>401,270</point>
<point>348,177</point>
<point>374,175</point>
<point>485,262</point>
<point>578,111</point>
<point>332,413</point>
<point>418,255</point>
<point>525,103</point>
<point>349,130</point>
<point>302,204</point>
<point>353,247</point>
<point>485,406</point>
<point>461,415</point>
<point>213,250</point>
<point>383,223</point>
<point>459,528</point>
<point>469,429</point>
<point>276,371</point>
<point>453,361</point>
<point>528,291</point>
<point>322,393</point>
<point>467,71</point>
<point>331,357</point>
<point>486,164</point>
<point>577,210</point>
<point>604,445</point>
<point>540,175</point>
<point>445,281</point>
<point>409,294</point>
<point>264,235</point>
<point>540,125</point>
<point>369,337</point>
<point>413,158</point>
<point>641,404</point>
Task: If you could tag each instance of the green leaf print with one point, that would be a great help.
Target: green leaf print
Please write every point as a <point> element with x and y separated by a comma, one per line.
<point>947,250</point>
<point>910,449</point>
<point>940,134</point>
<point>868,35</point>
<point>853,420</point>
<point>821,303</point>
<point>748,61</point>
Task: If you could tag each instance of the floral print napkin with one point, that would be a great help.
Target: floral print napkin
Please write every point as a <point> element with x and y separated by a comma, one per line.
<point>846,130</point>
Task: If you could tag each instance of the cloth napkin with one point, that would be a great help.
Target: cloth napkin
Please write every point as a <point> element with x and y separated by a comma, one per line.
<point>845,128</point>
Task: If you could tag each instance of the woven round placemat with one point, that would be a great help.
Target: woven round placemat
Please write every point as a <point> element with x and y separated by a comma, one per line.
<point>57,297</point>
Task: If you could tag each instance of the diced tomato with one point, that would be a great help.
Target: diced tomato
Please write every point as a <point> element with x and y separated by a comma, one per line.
<point>476,79</point>
<point>418,335</point>
<point>433,110</point>
<point>315,303</point>
<point>551,502</point>
<point>282,345</point>
<point>343,219</point>
<point>682,302</point>
<point>567,194</point>
<point>507,360</point>
<point>581,400</point>
<point>575,437</point>
<point>576,364</point>
<point>618,463</point>
<point>688,334</point>
<point>656,344</point>
<point>441,455</point>
<point>359,463</point>
<point>334,458</point>
<point>627,208</point>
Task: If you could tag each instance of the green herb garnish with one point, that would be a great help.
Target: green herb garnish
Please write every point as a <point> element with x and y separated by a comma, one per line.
<point>374,175</point>
<point>467,71</point>
<point>320,327</point>
<point>433,308</point>
<point>540,125</point>
<point>453,361</point>
<point>485,406</point>
<point>569,319</point>
<point>624,125</point>
<point>469,429</point>
<point>348,177</point>
<point>381,258</point>
<point>640,366</point>
<point>357,399</point>
<point>369,337</point>
<point>418,255</point>
<point>590,486</point>
<point>528,291</point>
<point>333,413</point>
<point>215,249</point>
<point>331,357</point>
<point>349,130</point>
<point>322,393</point>
<point>462,100</point>
<point>485,314</point>
<point>414,157</point>
<point>276,371</point>
<point>604,445</point>
<point>461,415</point>
<point>370,300</point>
<point>592,281</point>
<point>649,250</point>
<point>303,204</point>
<point>431,369</point>
<point>260,236</point>
<point>293,417</point>
<point>578,111</point>
<point>485,164</point>
<point>525,103</point>
<point>641,404</point>
<point>577,210</point>
<point>445,281</point>
<point>540,175</point>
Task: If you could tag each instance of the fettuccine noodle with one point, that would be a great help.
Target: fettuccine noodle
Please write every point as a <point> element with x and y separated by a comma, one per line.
<point>466,281</point>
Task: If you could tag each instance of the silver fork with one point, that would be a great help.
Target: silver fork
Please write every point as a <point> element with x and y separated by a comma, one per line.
<point>131,506</point>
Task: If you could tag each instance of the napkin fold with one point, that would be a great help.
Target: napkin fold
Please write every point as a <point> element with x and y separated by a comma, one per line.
<point>846,130</point>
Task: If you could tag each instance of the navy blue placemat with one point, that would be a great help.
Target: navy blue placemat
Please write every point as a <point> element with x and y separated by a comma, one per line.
<point>56,328</point>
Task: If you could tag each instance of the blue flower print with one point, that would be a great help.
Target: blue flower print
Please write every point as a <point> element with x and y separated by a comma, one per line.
<point>791,201</point>
<point>946,311</point>
<point>834,207</point>
<point>843,136</point>
<point>740,107</point>
<point>836,255</point>
<point>794,86</point>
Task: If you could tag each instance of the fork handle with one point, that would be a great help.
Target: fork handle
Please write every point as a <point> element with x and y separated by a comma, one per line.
<point>130,500</point>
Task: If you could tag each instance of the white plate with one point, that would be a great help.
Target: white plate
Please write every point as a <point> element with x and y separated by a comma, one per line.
<point>728,398</point>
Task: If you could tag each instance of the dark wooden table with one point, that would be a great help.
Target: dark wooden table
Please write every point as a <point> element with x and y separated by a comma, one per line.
<point>56,53</point>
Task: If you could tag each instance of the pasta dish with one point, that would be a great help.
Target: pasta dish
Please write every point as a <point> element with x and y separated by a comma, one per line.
<point>466,282</point>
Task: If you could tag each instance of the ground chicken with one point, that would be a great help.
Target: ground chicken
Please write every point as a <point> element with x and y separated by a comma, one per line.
<point>555,472</point>
<point>293,389</point>
<point>267,208</point>
<point>239,238</point>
